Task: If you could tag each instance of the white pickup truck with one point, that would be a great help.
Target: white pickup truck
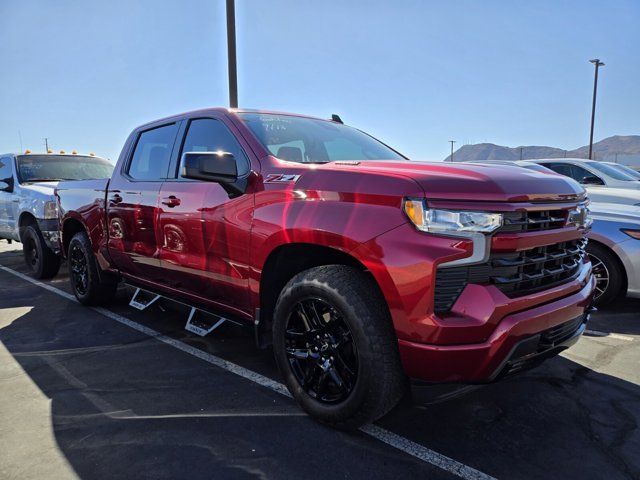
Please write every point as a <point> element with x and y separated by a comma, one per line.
<point>28,208</point>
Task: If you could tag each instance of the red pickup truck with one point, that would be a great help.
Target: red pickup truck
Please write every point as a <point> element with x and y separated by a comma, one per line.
<point>363,269</point>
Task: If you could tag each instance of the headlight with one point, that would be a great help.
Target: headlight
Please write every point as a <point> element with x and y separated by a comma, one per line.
<point>449,221</point>
<point>632,233</point>
<point>50,210</point>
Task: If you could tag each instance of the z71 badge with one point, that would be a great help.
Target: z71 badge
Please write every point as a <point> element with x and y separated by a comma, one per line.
<point>281,178</point>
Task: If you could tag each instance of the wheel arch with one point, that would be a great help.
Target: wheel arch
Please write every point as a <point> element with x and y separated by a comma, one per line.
<point>70,227</point>
<point>604,246</point>
<point>286,261</point>
<point>26,219</point>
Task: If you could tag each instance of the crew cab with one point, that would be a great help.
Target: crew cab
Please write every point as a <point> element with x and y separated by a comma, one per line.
<point>362,268</point>
<point>28,206</point>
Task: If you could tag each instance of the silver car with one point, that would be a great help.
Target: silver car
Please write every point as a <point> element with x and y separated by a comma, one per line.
<point>614,248</point>
<point>27,204</point>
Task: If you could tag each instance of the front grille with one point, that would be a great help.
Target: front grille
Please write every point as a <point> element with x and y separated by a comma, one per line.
<point>533,221</point>
<point>515,273</point>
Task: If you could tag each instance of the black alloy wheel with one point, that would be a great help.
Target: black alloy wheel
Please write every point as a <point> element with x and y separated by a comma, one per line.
<point>79,269</point>
<point>321,351</point>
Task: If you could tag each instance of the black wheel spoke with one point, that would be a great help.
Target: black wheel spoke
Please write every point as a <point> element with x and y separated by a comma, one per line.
<point>321,350</point>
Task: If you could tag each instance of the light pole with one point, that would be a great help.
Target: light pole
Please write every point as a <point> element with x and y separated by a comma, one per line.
<point>451,142</point>
<point>598,64</point>
<point>231,54</point>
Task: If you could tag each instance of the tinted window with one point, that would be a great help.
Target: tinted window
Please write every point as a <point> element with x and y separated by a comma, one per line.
<point>43,168</point>
<point>562,169</point>
<point>5,168</point>
<point>152,155</point>
<point>579,173</point>
<point>569,170</point>
<point>308,140</point>
<point>209,135</point>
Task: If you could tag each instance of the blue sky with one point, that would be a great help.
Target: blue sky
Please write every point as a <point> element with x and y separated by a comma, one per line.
<point>414,73</point>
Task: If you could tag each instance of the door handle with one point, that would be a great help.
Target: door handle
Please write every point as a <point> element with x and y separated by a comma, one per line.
<point>171,201</point>
<point>115,198</point>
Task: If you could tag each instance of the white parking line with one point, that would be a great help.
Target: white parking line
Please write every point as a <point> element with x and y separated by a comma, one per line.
<point>396,441</point>
<point>617,336</point>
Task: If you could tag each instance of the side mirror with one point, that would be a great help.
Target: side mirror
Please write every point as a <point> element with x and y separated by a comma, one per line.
<point>6,185</point>
<point>219,167</point>
<point>591,180</point>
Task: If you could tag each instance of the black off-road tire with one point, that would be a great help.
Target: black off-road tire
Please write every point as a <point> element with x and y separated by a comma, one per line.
<point>40,259</point>
<point>380,382</point>
<point>89,287</point>
<point>604,262</point>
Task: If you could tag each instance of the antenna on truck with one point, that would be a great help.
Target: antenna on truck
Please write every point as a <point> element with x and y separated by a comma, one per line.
<point>336,118</point>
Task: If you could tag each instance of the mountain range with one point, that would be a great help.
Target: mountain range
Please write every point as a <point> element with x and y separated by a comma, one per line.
<point>608,148</point>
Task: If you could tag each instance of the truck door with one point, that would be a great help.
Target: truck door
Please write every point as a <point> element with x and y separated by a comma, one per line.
<point>7,209</point>
<point>204,235</point>
<point>132,204</point>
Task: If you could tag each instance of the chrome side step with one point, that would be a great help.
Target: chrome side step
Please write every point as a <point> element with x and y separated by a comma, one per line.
<point>201,326</point>
<point>200,322</point>
<point>142,299</point>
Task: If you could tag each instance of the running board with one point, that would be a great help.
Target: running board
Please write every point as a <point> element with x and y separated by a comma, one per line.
<point>200,321</point>
<point>142,299</point>
<point>201,326</point>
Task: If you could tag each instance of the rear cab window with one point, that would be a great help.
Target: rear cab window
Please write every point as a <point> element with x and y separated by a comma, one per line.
<point>152,154</point>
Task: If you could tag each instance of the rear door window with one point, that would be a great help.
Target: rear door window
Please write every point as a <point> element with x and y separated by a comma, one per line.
<point>152,154</point>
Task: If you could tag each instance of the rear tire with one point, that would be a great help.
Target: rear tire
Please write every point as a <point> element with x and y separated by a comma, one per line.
<point>336,348</point>
<point>40,259</point>
<point>89,287</point>
<point>609,274</point>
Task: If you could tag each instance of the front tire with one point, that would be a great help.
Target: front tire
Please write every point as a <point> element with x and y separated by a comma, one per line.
<point>40,259</point>
<point>87,284</point>
<point>336,348</point>
<point>609,274</point>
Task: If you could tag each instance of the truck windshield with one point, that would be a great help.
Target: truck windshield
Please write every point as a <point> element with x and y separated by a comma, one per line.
<point>49,168</point>
<point>307,140</point>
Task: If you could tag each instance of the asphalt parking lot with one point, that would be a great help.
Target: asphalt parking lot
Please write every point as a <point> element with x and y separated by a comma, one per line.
<point>119,393</point>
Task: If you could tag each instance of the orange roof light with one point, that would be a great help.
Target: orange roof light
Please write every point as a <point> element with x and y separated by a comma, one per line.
<point>74,152</point>
<point>27,151</point>
<point>49,151</point>
<point>61,151</point>
<point>92,154</point>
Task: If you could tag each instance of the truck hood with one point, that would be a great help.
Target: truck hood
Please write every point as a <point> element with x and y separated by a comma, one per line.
<point>490,183</point>
<point>43,188</point>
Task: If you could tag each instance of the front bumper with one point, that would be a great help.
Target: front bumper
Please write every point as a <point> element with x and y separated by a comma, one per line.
<point>50,233</point>
<point>520,340</point>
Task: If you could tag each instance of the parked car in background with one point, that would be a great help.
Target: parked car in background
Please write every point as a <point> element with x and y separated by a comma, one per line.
<point>590,172</point>
<point>620,196</point>
<point>28,206</point>
<point>628,170</point>
<point>614,249</point>
<point>361,267</point>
